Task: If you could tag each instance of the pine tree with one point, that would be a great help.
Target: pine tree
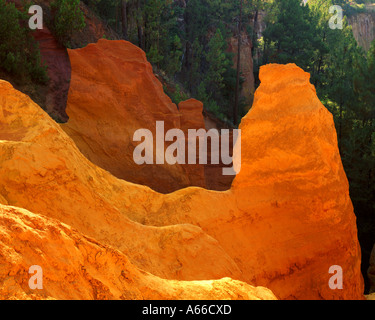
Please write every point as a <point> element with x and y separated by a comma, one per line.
<point>289,36</point>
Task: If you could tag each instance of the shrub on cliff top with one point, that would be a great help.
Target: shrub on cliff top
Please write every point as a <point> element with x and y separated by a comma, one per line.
<point>68,18</point>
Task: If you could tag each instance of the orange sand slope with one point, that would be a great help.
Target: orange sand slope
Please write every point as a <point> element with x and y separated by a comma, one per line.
<point>287,218</point>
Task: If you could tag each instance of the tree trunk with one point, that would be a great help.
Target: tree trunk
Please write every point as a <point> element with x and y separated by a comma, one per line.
<point>254,36</point>
<point>139,26</point>
<point>316,83</point>
<point>237,93</point>
<point>340,130</point>
<point>124,19</point>
<point>145,30</point>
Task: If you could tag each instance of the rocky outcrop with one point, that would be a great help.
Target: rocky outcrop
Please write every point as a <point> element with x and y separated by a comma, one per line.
<point>287,218</point>
<point>291,168</point>
<point>215,179</point>
<point>191,114</point>
<point>75,266</point>
<point>363,25</point>
<point>192,118</point>
<point>113,93</point>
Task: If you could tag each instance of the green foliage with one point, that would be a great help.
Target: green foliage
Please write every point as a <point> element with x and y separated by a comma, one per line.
<point>217,63</point>
<point>351,7</point>
<point>209,71</point>
<point>68,19</point>
<point>360,153</point>
<point>289,36</point>
<point>154,54</point>
<point>178,95</point>
<point>174,62</point>
<point>19,53</point>
<point>163,43</point>
<point>106,9</point>
<point>218,77</point>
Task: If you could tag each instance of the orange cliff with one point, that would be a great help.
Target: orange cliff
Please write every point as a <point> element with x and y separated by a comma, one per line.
<point>113,92</point>
<point>287,218</point>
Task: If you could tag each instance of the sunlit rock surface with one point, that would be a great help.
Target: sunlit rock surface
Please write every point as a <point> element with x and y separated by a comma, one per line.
<point>78,267</point>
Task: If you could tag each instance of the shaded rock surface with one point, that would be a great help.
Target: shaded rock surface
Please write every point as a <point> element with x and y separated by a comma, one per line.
<point>113,93</point>
<point>287,218</point>
<point>192,118</point>
<point>56,58</point>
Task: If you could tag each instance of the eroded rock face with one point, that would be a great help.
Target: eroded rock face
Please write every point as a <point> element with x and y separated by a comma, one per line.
<point>192,118</point>
<point>78,267</point>
<point>363,25</point>
<point>292,182</point>
<point>287,218</point>
<point>113,93</point>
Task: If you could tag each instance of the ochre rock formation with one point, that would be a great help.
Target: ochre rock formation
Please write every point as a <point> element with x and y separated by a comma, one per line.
<point>191,114</point>
<point>77,267</point>
<point>42,170</point>
<point>287,218</point>
<point>215,179</point>
<point>113,93</point>
<point>192,118</point>
<point>292,182</point>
